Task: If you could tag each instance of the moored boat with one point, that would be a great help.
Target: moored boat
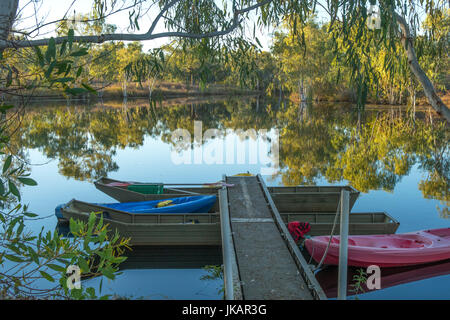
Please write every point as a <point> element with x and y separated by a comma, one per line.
<point>286,199</point>
<point>360,223</point>
<point>124,191</point>
<point>197,204</point>
<point>310,198</point>
<point>406,249</point>
<point>151,228</point>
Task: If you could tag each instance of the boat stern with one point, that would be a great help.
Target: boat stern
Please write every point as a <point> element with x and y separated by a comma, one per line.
<point>59,214</point>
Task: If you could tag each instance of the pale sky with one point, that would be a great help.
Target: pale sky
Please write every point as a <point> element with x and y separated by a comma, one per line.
<point>50,10</point>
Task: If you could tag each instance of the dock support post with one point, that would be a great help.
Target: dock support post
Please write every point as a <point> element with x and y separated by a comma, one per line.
<point>343,245</point>
<point>226,244</point>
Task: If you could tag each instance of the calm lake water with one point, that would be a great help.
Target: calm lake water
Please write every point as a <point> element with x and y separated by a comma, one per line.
<point>399,163</point>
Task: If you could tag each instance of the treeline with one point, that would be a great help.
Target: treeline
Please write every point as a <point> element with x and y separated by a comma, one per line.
<point>301,63</point>
<point>307,63</point>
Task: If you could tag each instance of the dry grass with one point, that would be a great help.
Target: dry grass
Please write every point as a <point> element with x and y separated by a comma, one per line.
<point>161,90</point>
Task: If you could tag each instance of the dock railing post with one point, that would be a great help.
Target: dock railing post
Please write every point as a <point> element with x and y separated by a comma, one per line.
<point>343,245</point>
<point>226,244</point>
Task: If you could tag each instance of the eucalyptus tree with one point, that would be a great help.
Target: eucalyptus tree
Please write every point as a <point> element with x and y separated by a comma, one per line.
<point>224,23</point>
<point>310,66</point>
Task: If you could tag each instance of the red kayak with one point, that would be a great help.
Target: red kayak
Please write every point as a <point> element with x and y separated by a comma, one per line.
<point>392,250</point>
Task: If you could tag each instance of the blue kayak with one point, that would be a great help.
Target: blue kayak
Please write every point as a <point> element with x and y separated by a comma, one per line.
<point>197,204</point>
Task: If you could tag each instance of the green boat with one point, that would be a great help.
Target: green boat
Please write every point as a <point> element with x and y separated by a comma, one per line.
<point>150,228</point>
<point>287,199</point>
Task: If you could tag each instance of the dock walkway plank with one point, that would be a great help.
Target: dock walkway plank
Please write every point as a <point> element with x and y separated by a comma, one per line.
<point>266,267</point>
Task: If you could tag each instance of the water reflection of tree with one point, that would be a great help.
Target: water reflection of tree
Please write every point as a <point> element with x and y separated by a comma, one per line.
<point>85,140</point>
<point>370,151</point>
<point>375,155</point>
<point>436,162</point>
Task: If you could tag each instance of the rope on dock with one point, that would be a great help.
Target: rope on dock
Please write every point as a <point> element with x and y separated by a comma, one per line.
<point>331,237</point>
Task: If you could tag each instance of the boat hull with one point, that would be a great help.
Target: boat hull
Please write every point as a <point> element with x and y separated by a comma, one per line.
<point>360,223</point>
<point>165,229</point>
<point>197,204</point>
<point>120,193</point>
<point>310,199</point>
<point>385,250</point>
<point>286,199</point>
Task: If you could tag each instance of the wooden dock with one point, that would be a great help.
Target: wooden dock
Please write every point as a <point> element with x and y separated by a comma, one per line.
<point>261,260</point>
<point>248,222</point>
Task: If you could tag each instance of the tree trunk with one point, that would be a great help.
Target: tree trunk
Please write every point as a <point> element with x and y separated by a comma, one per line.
<point>151,84</point>
<point>8,10</point>
<point>407,42</point>
<point>124,88</point>
<point>279,97</point>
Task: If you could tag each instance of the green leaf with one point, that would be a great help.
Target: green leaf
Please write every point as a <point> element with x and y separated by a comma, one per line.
<point>47,276</point>
<point>51,50</point>
<point>63,48</point>
<point>69,67</point>
<point>20,229</point>
<point>74,226</point>
<point>30,214</point>
<point>13,258</point>
<point>9,78</point>
<point>68,255</point>
<point>39,55</point>
<point>7,164</point>
<point>108,272</point>
<point>75,91</point>
<point>76,293</point>
<point>79,53</point>
<point>13,189</point>
<point>80,69</point>
<point>14,248</point>
<point>27,181</point>
<point>83,265</point>
<point>91,221</point>
<point>49,71</point>
<point>64,80</point>
<point>70,35</point>
<point>4,108</point>
<point>33,255</point>
<point>118,259</point>
<point>259,43</point>
<point>56,267</point>
<point>91,292</point>
<point>63,261</point>
<point>89,88</point>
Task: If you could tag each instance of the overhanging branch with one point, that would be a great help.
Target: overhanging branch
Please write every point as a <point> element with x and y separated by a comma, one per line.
<point>149,35</point>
